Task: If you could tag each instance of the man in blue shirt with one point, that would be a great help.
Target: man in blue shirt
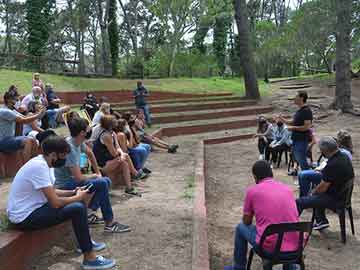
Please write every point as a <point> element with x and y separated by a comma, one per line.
<point>140,94</point>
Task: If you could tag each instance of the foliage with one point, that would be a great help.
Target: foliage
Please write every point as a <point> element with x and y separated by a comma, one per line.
<point>113,36</point>
<point>38,17</point>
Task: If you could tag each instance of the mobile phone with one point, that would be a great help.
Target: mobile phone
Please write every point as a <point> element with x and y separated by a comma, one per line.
<point>90,188</point>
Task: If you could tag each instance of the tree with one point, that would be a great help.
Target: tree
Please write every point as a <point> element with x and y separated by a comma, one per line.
<point>342,99</point>
<point>38,19</point>
<point>245,52</point>
<point>113,36</point>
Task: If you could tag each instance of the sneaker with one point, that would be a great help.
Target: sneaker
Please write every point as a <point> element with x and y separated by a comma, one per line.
<point>99,263</point>
<point>141,175</point>
<point>93,219</point>
<point>172,149</point>
<point>261,157</point>
<point>321,225</point>
<point>117,228</point>
<point>146,170</point>
<point>132,191</point>
<point>96,246</point>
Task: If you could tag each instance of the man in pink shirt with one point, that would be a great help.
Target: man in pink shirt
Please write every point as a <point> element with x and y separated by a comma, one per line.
<point>271,202</point>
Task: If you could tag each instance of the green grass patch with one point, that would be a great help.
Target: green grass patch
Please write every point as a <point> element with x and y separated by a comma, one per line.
<point>23,80</point>
<point>4,222</point>
<point>189,188</point>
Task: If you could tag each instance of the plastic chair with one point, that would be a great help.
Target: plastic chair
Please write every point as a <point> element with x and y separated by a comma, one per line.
<point>277,257</point>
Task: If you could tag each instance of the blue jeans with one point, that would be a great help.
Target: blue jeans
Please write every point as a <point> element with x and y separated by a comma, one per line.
<point>319,202</point>
<point>299,152</point>
<point>47,216</point>
<point>247,234</point>
<point>101,197</point>
<point>306,179</point>
<point>10,144</point>
<point>139,155</point>
<point>146,110</point>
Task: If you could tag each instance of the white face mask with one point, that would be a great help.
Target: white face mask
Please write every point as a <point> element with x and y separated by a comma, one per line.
<point>17,104</point>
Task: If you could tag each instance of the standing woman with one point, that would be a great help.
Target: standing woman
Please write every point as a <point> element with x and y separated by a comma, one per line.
<point>265,135</point>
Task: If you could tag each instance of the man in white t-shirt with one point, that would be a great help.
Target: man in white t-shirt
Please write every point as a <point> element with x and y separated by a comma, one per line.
<point>34,203</point>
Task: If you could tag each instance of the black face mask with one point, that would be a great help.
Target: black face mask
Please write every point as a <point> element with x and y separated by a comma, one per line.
<point>280,124</point>
<point>60,162</point>
<point>88,134</point>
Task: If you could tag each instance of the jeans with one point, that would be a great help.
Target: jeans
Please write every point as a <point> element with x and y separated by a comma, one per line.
<point>47,216</point>
<point>299,152</point>
<point>319,202</point>
<point>306,179</point>
<point>139,155</point>
<point>146,110</point>
<point>101,197</point>
<point>247,234</point>
<point>263,147</point>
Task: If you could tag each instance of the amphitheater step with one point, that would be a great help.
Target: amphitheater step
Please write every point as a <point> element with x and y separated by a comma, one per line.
<point>196,106</point>
<point>178,117</point>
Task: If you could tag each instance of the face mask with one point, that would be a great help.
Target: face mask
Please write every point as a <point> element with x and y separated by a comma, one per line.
<point>88,134</point>
<point>280,124</point>
<point>60,162</point>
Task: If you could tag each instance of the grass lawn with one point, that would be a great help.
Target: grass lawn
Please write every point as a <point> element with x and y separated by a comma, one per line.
<point>64,83</point>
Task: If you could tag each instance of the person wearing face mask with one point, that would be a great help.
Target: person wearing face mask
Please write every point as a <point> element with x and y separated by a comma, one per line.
<point>69,176</point>
<point>282,140</point>
<point>332,179</point>
<point>265,135</point>
<point>8,119</point>
<point>35,204</point>
<point>104,110</point>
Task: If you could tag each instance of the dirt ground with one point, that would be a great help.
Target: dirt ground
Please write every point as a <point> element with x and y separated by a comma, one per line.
<point>228,175</point>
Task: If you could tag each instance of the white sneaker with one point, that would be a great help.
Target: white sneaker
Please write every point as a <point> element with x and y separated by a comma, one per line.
<point>261,157</point>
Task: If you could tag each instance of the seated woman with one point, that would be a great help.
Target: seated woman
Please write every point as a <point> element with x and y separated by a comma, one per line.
<point>265,135</point>
<point>33,128</point>
<point>104,110</point>
<point>118,128</point>
<point>110,156</point>
<point>148,138</point>
<point>282,140</point>
<point>138,151</point>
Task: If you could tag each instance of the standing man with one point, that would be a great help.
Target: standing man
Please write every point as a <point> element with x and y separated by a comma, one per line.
<point>140,94</point>
<point>300,127</point>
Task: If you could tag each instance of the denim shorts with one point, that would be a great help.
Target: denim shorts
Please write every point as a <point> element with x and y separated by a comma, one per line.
<point>10,144</point>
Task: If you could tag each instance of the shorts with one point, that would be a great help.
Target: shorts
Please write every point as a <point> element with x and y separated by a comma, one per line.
<point>11,144</point>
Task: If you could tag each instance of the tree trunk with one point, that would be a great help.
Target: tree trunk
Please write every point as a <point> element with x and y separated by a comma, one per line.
<point>342,99</point>
<point>172,60</point>
<point>245,52</point>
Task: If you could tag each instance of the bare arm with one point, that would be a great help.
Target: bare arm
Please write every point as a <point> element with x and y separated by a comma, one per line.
<point>108,141</point>
<point>307,125</point>
<point>28,119</point>
<point>57,202</point>
<point>247,219</point>
<point>322,187</point>
<point>93,162</point>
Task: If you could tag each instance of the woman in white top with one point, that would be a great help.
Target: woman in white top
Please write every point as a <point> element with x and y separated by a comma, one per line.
<point>104,110</point>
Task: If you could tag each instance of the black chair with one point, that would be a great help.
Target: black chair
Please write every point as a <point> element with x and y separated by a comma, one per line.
<point>277,257</point>
<point>287,152</point>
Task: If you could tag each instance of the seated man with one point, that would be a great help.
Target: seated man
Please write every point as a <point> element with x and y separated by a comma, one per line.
<point>282,140</point>
<point>310,178</point>
<point>54,111</point>
<point>333,177</point>
<point>271,202</point>
<point>8,119</point>
<point>69,176</point>
<point>34,203</point>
